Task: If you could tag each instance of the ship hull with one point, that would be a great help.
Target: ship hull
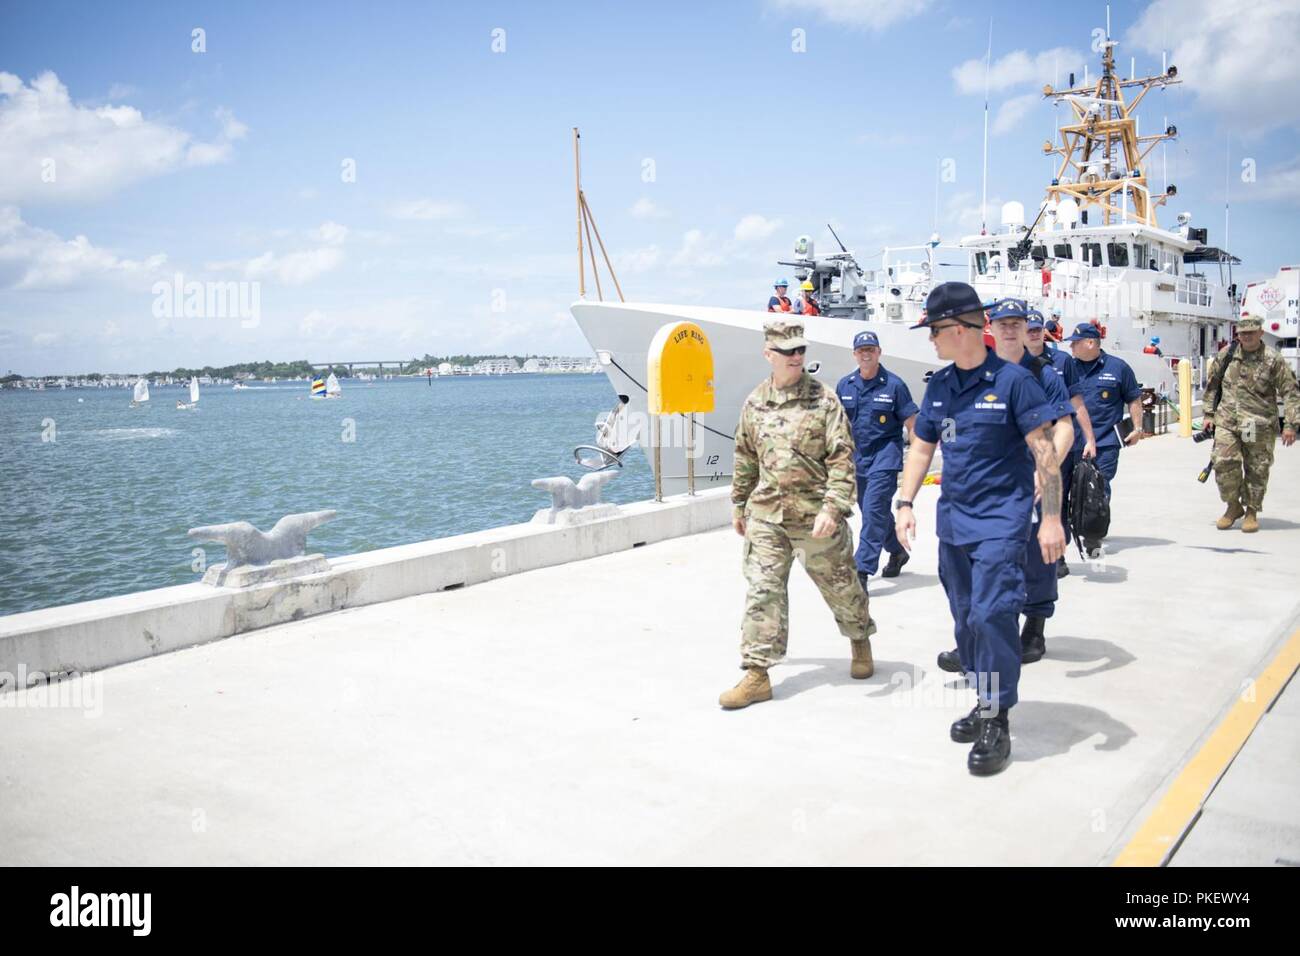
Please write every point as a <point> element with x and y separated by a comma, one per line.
<point>622,332</point>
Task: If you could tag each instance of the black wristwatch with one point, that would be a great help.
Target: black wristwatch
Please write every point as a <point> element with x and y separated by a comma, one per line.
<point>902,503</point>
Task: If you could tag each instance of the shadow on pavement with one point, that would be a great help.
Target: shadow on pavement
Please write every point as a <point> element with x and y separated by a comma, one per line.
<point>1116,545</point>
<point>1078,650</point>
<point>1042,729</point>
<point>835,671</point>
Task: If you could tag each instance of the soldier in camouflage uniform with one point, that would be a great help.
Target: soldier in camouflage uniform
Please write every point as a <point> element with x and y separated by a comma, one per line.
<point>1244,421</point>
<point>792,489</point>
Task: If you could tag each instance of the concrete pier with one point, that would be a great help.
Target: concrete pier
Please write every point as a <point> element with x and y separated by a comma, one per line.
<point>568,715</point>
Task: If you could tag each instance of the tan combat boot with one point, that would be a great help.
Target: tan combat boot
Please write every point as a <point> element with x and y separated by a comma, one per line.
<point>753,688</point>
<point>863,666</point>
<point>1251,524</point>
<point>1235,511</point>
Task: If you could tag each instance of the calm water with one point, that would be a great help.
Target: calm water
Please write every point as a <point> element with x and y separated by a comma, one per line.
<point>103,509</point>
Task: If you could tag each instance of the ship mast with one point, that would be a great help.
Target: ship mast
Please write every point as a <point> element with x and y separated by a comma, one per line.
<point>1103,159</point>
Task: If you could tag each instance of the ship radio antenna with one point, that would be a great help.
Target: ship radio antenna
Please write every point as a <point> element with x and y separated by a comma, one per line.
<point>984,189</point>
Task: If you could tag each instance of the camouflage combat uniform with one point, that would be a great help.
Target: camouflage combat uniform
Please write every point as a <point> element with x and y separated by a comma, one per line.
<point>1245,421</point>
<point>794,458</point>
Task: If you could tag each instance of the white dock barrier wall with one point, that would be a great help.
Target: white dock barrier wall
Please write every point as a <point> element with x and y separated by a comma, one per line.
<point>77,638</point>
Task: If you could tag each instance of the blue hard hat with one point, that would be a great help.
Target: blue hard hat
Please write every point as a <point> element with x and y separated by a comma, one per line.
<point>1009,309</point>
<point>1034,320</point>
<point>865,338</point>
<point>1156,340</point>
<point>948,300</point>
<point>1084,330</point>
<point>782,282</point>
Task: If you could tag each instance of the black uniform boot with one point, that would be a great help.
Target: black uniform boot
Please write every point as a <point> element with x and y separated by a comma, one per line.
<point>896,562</point>
<point>950,661</point>
<point>965,730</point>
<point>1062,569</point>
<point>1032,644</point>
<point>863,576</point>
<point>992,749</point>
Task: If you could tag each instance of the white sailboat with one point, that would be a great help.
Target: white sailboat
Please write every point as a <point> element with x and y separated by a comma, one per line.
<point>194,396</point>
<point>332,387</point>
<point>141,393</point>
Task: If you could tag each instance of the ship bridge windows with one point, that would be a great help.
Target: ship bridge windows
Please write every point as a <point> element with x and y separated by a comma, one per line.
<point>1039,254</point>
<point>1062,250</point>
<point>981,262</point>
<point>1142,256</point>
<point>1117,253</point>
<point>1092,253</point>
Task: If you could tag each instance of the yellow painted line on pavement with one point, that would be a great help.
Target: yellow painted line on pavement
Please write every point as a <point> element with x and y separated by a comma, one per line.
<point>1164,828</point>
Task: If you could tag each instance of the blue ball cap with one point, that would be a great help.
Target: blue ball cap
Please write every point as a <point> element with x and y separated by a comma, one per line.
<point>948,300</point>
<point>1084,330</point>
<point>865,338</point>
<point>1035,320</point>
<point>1009,309</point>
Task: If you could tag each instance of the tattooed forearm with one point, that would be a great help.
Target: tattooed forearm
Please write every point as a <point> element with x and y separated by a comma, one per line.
<point>1049,471</point>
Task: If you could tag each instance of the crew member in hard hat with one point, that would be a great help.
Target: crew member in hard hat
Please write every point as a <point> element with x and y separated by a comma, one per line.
<point>879,406</point>
<point>807,304</point>
<point>1107,385</point>
<point>792,490</point>
<point>1035,343</point>
<point>984,411</point>
<point>1153,348</point>
<point>780,302</point>
<point>1243,417</point>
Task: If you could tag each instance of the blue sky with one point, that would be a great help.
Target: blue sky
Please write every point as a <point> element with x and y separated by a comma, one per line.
<point>457,233</point>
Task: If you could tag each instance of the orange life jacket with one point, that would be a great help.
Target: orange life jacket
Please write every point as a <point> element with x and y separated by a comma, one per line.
<point>1150,350</point>
<point>810,307</point>
<point>783,304</point>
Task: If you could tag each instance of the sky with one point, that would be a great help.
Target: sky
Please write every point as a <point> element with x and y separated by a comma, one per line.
<point>380,181</point>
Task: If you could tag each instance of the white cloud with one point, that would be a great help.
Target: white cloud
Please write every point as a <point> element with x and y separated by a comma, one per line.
<point>331,233</point>
<point>293,268</point>
<point>296,268</point>
<point>42,339</point>
<point>1240,62</point>
<point>427,209</point>
<point>754,227</point>
<point>644,208</point>
<point>1012,111</point>
<point>698,251</point>
<point>1018,68</point>
<point>54,149</point>
<point>1272,184</point>
<point>859,14</point>
<point>32,258</point>
<point>637,261</point>
<point>962,212</point>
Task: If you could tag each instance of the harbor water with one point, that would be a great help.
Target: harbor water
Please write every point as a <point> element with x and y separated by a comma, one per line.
<point>99,495</point>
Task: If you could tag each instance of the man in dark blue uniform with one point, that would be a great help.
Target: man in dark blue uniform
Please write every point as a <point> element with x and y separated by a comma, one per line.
<point>1010,319</point>
<point>1036,343</point>
<point>984,411</point>
<point>879,406</point>
<point>1106,385</point>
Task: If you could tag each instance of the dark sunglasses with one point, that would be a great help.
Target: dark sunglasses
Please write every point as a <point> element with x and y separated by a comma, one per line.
<point>797,350</point>
<point>936,329</point>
